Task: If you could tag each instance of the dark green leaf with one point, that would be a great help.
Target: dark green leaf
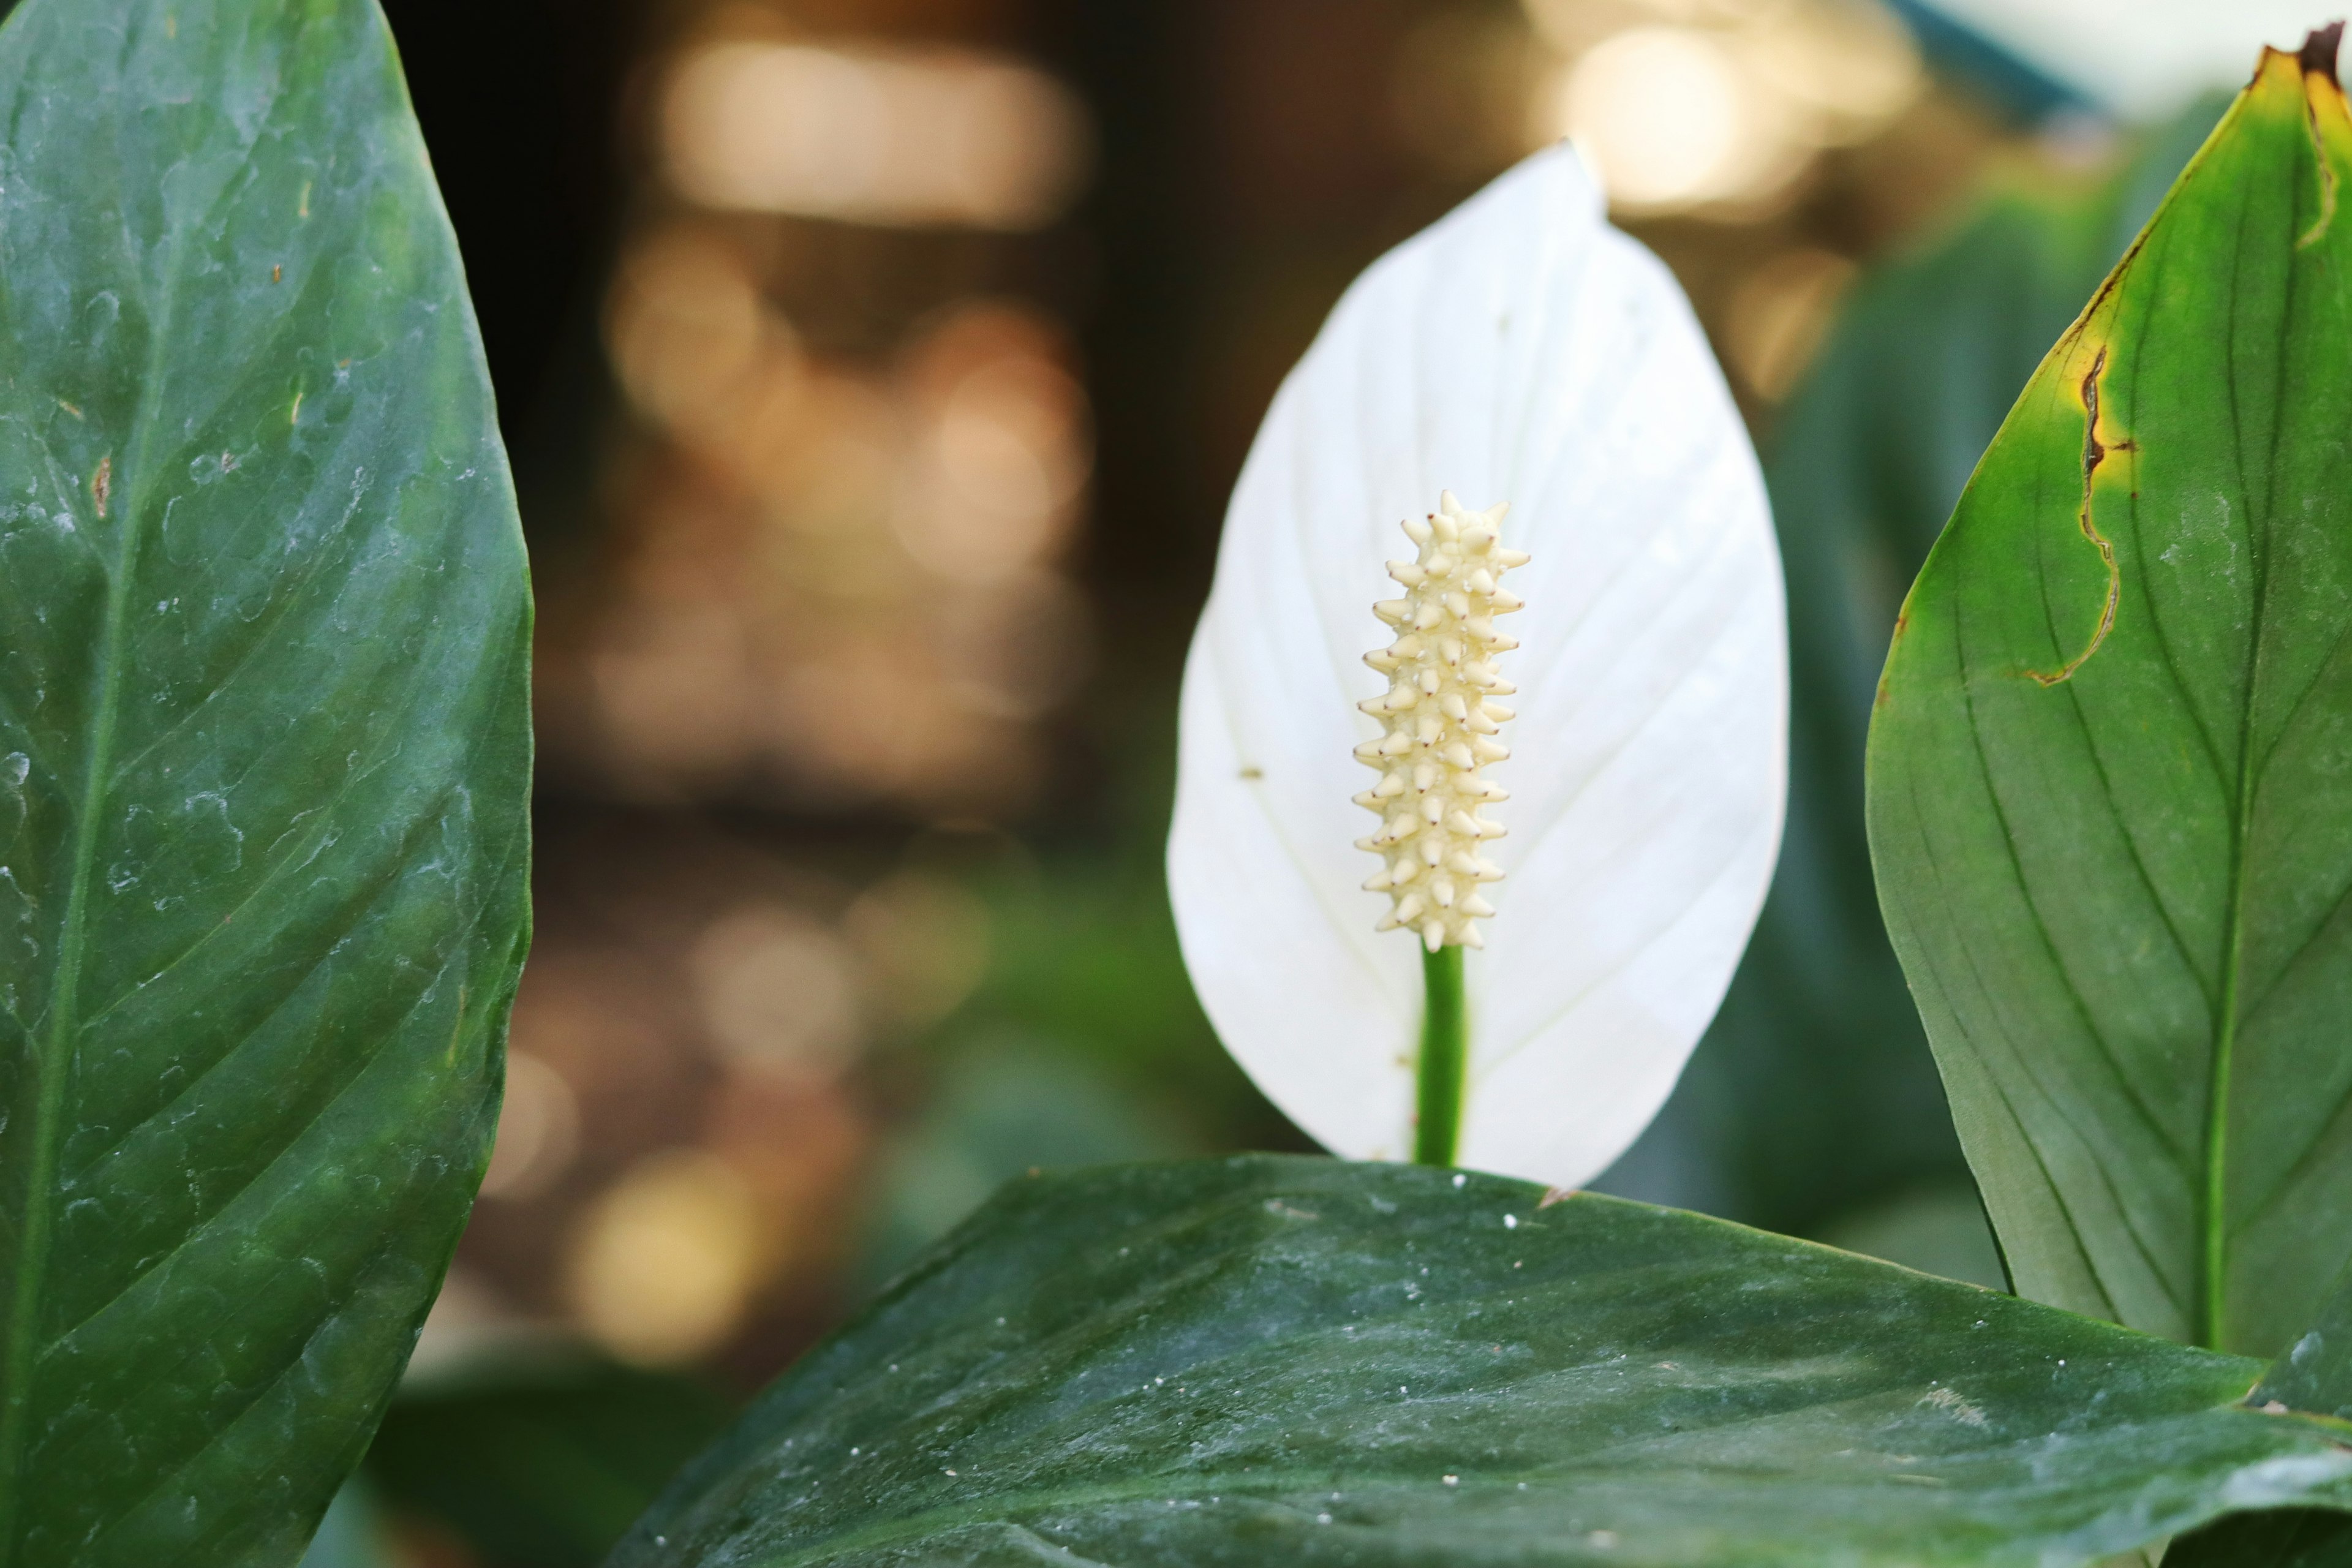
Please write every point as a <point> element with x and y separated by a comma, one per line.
<point>1004,1106</point>
<point>1936,1230</point>
<point>536,1462</point>
<point>264,751</point>
<point>2107,773</point>
<point>1272,1359</point>
<point>2283,1537</point>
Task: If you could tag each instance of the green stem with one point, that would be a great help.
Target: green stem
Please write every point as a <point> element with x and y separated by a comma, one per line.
<point>1444,1055</point>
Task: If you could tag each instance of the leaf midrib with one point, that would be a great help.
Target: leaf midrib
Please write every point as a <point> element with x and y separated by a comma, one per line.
<point>2214,1260</point>
<point>35,1235</point>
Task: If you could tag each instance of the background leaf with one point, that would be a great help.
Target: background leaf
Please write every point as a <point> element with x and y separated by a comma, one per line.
<point>1813,1095</point>
<point>264,736</point>
<point>537,1459</point>
<point>1275,1359</point>
<point>2315,1375</point>
<point>2283,1538</point>
<point>2105,802</point>
<point>353,1532</point>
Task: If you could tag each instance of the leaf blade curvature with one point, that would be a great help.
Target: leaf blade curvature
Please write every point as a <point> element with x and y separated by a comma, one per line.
<point>2103,766</point>
<point>1272,1359</point>
<point>263,752</point>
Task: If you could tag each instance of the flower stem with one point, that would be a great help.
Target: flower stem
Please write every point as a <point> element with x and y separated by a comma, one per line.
<point>1438,1124</point>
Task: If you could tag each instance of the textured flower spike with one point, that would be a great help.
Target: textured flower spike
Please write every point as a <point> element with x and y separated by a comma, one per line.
<point>1440,719</point>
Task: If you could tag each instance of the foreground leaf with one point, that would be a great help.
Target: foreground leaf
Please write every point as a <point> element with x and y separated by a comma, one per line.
<point>2106,787</point>
<point>1278,1360</point>
<point>264,748</point>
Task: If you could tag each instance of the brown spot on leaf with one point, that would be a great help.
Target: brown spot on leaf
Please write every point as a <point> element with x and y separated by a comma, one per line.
<point>2317,56</point>
<point>2094,452</point>
<point>101,483</point>
<point>1902,625</point>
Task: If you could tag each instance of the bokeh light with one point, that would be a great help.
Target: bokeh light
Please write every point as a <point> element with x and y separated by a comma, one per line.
<point>842,580</point>
<point>936,137</point>
<point>539,1131</point>
<point>779,994</point>
<point>1725,103</point>
<point>668,1258</point>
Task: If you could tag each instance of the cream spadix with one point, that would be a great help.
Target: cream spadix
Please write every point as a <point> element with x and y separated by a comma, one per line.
<point>1518,351</point>
<point>1438,720</point>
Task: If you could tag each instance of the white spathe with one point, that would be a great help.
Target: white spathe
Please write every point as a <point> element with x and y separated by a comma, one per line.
<point>1518,351</point>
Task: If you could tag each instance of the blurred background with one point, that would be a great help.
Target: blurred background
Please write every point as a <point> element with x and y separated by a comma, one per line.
<point>876,372</point>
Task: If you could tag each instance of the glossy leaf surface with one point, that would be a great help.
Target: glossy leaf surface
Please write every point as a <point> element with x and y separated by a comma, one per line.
<point>1280,1360</point>
<point>2106,771</point>
<point>265,750</point>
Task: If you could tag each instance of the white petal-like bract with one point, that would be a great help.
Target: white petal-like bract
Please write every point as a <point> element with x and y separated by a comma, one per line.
<point>1518,351</point>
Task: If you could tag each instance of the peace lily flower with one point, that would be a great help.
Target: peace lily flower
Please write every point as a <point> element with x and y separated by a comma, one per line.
<point>1523,389</point>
